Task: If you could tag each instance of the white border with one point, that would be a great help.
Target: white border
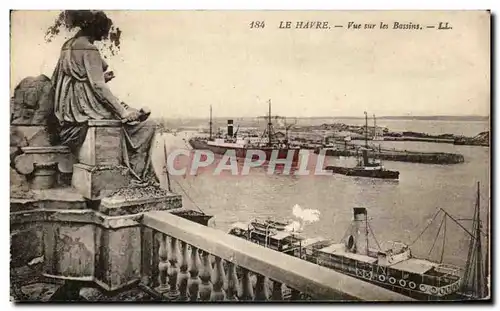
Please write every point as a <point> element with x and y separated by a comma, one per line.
<point>493,5</point>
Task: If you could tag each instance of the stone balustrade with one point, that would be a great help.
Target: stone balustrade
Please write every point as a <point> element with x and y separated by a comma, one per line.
<point>182,260</point>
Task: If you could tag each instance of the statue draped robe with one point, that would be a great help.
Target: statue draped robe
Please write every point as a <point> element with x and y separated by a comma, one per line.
<point>81,94</point>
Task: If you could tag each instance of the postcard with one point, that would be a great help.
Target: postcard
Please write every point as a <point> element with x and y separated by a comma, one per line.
<point>205,156</point>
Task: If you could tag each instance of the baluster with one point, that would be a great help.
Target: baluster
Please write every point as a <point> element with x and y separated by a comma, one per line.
<point>246,286</point>
<point>232,282</point>
<point>172,271</point>
<point>183,272</point>
<point>194,271</point>
<point>277,293</point>
<point>218,280</point>
<point>163,264</point>
<point>147,255</point>
<point>261,292</point>
<point>205,276</point>
<point>295,295</point>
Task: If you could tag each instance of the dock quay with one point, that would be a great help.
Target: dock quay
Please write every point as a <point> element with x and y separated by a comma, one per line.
<point>402,156</point>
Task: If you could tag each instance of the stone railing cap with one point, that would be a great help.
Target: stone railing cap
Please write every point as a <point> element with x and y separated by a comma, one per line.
<point>320,282</point>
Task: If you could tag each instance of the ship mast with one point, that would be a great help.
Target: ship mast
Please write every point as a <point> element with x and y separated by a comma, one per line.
<point>269,125</point>
<point>210,123</point>
<point>374,126</point>
<point>487,263</point>
<point>475,274</point>
<point>366,129</point>
<point>167,174</point>
<point>479,254</point>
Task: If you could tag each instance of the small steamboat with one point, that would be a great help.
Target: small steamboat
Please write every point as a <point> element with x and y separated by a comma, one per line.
<point>365,168</point>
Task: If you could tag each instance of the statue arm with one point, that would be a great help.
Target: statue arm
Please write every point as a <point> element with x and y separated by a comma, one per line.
<point>95,74</point>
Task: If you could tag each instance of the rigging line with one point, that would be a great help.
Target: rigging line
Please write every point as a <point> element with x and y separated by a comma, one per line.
<point>435,239</point>
<point>374,237</point>
<point>421,233</point>
<point>187,195</point>
<point>461,226</point>
<point>473,220</point>
<point>344,236</point>
<point>444,239</point>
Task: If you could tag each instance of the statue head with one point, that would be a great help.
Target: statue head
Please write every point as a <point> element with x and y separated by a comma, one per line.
<point>94,24</point>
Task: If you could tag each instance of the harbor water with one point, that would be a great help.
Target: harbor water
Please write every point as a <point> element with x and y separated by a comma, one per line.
<point>397,210</point>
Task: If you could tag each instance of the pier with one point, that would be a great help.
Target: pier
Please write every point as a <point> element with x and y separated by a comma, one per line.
<point>403,156</point>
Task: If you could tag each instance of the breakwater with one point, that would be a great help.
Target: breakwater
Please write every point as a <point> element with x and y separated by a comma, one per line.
<point>410,138</point>
<point>403,156</point>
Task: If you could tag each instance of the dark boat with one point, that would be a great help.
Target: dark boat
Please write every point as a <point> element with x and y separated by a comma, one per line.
<point>195,216</point>
<point>244,146</point>
<point>365,167</point>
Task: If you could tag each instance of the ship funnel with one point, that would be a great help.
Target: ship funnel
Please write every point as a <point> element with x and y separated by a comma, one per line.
<point>230,128</point>
<point>361,230</point>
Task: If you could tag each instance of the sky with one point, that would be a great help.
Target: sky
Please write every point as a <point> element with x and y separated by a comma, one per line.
<point>178,63</point>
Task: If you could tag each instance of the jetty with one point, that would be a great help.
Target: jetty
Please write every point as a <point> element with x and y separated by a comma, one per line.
<point>402,156</point>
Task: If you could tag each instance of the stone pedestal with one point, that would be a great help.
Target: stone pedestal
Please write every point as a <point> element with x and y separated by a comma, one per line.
<point>102,145</point>
<point>78,241</point>
<point>118,260</point>
<point>134,200</point>
<point>97,182</point>
<point>120,250</point>
<point>99,171</point>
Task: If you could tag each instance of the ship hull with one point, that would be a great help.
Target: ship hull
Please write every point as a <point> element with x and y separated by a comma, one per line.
<point>407,286</point>
<point>282,153</point>
<point>383,174</point>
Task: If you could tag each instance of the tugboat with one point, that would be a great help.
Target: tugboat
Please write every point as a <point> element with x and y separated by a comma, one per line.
<point>195,216</point>
<point>220,145</point>
<point>365,167</point>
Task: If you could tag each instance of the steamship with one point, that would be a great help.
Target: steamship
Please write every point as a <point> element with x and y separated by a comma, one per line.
<point>394,268</point>
<point>272,148</point>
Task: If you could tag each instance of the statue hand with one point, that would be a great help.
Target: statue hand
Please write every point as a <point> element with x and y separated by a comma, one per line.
<point>131,115</point>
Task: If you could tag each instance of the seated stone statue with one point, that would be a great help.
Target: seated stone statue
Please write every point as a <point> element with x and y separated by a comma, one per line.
<point>81,94</point>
